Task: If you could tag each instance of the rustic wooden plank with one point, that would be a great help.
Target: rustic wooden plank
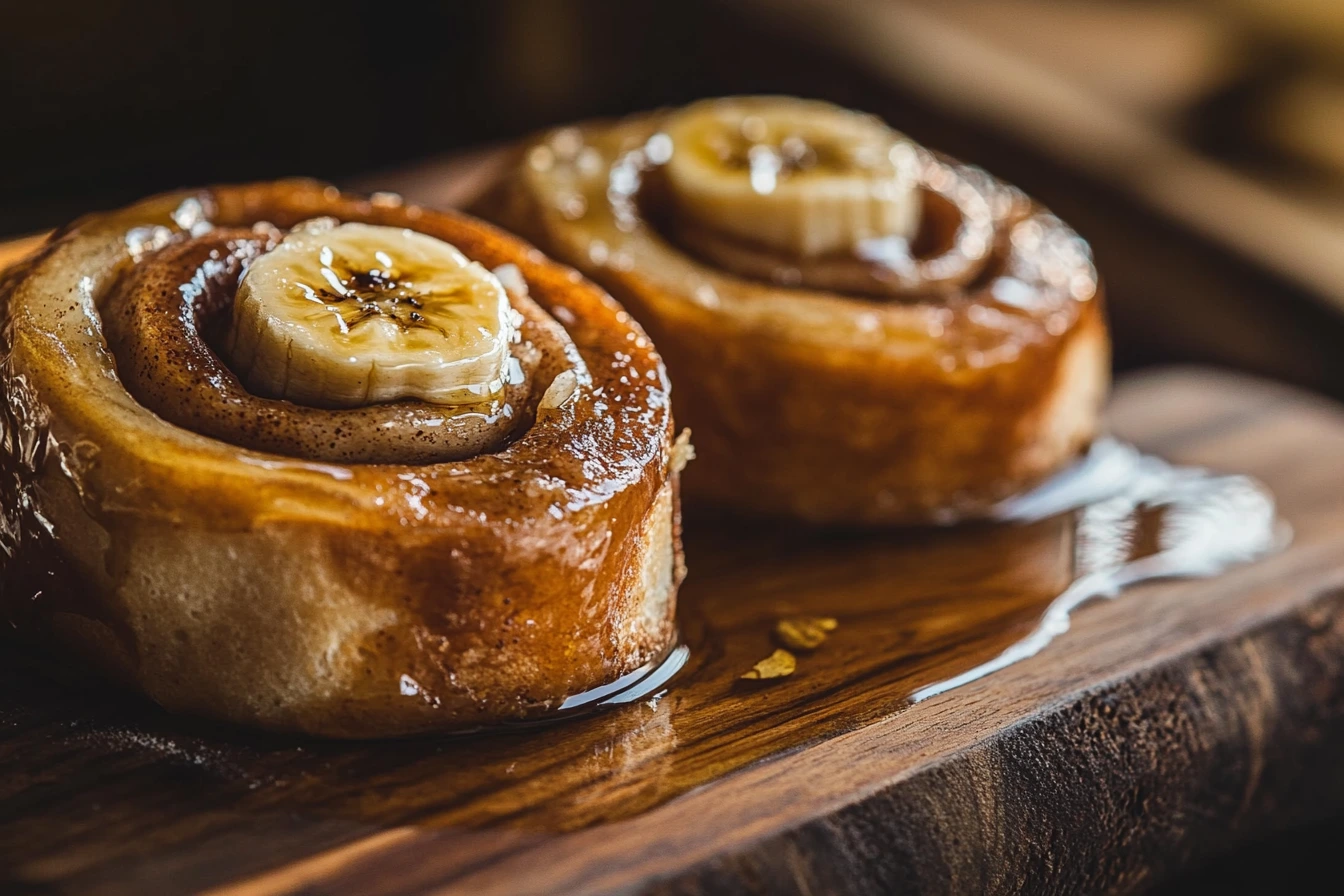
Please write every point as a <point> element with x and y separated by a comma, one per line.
<point>1178,720</point>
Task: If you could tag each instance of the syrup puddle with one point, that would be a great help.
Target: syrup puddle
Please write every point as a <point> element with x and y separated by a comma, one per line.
<point>636,685</point>
<point>1131,518</point>
<point>1138,519</point>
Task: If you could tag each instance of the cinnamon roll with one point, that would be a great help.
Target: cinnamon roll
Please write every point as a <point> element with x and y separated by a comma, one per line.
<point>288,457</point>
<point>860,330</point>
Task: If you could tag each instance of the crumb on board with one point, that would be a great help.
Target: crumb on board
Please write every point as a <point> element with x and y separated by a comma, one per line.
<point>776,665</point>
<point>804,632</point>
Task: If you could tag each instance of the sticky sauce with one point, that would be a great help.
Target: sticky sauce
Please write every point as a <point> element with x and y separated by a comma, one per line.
<point>1136,518</point>
<point>1115,520</point>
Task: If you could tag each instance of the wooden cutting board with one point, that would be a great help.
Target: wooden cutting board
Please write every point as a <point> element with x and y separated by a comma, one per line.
<point>1181,719</point>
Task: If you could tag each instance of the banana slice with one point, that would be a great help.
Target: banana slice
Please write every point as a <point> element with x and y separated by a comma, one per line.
<point>804,177</point>
<point>345,315</point>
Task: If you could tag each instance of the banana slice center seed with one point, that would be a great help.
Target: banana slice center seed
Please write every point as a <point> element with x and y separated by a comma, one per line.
<point>353,314</point>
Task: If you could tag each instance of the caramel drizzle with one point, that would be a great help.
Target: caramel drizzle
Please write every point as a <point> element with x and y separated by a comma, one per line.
<point>377,293</point>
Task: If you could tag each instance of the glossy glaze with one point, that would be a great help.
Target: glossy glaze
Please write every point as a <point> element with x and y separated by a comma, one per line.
<point>346,599</point>
<point>1135,518</point>
<point>168,356</point>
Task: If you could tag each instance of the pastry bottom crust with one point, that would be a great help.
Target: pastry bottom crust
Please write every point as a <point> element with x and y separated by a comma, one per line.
<point>870,438</point>
<point>304,626</point>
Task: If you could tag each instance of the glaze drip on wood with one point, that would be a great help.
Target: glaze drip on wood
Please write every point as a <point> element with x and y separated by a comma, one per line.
<point>1137,518</point>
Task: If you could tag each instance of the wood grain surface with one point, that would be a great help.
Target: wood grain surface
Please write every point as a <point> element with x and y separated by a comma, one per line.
<point>1181,719</point>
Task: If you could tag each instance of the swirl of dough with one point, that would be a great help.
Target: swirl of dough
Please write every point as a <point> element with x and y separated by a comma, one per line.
<point>158,323</point>
<point>338,571</point>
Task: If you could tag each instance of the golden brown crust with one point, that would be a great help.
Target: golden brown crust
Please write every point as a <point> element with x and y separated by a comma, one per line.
<point>344,600</point>
<point>956,389</point>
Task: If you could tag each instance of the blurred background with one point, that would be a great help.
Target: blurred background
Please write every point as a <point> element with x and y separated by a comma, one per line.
<point>1198,144</point>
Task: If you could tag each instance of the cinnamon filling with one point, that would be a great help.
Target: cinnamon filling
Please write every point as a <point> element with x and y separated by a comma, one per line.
<point>165,321</point>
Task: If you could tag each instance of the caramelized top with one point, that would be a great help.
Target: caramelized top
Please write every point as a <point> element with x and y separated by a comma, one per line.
<point>152,418</point>
<point>165,318</point>
<point>988,272</point>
